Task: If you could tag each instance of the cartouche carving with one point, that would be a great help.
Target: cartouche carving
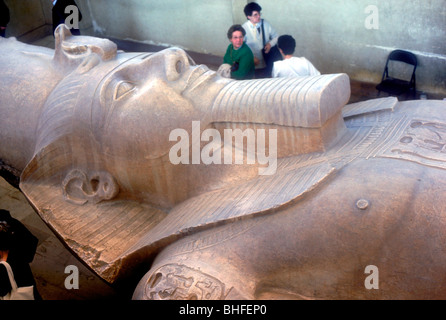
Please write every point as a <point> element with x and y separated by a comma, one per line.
<point>423,141</point>
<point>177,282</point>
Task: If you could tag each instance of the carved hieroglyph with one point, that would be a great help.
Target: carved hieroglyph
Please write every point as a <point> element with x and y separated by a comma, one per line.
<point>89,130</point>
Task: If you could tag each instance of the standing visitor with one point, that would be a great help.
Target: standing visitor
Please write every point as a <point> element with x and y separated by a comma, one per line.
<point>260,36</point>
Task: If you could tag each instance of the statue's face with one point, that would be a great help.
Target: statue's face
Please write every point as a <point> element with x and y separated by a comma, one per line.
<point>145,98</point>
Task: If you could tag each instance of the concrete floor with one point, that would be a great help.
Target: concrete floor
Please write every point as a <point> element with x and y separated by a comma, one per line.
<point>52,257</point>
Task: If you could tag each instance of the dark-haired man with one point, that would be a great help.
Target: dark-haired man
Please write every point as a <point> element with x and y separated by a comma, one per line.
<point>292,66</point>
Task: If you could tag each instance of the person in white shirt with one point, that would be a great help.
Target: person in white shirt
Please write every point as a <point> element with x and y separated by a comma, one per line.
<point>254,38</point>
<point>292,66</point>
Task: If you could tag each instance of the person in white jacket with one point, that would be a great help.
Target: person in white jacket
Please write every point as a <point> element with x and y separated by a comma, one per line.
<point>254,38</point>
<point>292,66</point>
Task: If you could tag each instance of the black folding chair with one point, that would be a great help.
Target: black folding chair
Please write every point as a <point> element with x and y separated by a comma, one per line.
<point>395,86</point>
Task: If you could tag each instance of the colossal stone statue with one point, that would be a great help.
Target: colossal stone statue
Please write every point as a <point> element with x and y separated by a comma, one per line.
<point>151,167</point>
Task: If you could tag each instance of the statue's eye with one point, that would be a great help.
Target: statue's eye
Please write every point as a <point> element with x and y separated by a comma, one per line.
<point>122,89</point>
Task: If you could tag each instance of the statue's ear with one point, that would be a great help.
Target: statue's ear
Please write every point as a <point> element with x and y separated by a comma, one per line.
<point>80,187</point>
<point>85,208</point>
<point>73,51</point>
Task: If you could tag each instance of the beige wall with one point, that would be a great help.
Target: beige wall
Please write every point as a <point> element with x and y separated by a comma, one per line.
<point>191,24</point>
<point>30,19</point>
<point>331,33</point>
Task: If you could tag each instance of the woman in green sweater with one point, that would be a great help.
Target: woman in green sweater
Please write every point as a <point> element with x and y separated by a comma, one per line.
<point>239,55</point>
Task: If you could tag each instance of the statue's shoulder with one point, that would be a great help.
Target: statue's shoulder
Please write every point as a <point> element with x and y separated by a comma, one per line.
<point>369,106</point>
